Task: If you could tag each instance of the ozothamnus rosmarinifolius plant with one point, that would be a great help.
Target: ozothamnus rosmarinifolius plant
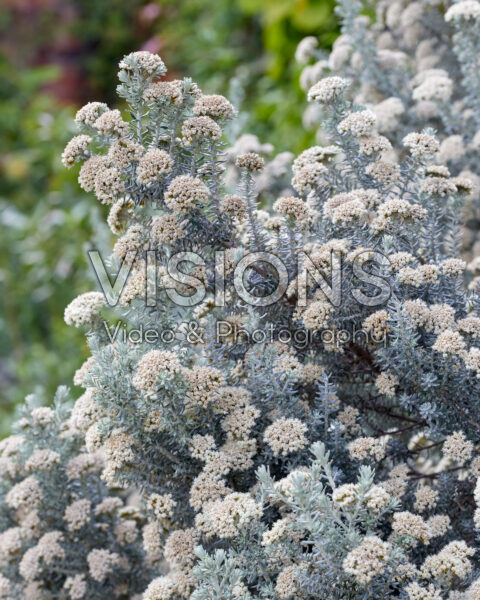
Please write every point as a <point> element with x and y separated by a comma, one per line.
<point>413,64</point>
<point>64,533</point>
<point>306,447</point>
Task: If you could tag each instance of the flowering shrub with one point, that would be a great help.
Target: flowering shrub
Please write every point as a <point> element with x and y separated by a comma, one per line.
<point>63,533</point>
<point>413,65</point>
<point>337,323</point>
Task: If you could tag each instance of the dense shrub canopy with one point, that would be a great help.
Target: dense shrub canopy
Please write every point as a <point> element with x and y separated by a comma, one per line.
<point>290,391</point>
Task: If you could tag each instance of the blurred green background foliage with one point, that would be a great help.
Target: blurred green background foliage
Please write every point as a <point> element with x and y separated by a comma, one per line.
<point>55,55</point>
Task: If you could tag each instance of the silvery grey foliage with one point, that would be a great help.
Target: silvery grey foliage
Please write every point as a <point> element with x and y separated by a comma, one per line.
<point>414,65</point>
<point>330,540</point>
<point>208,399</point>
<point>63,533</point>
